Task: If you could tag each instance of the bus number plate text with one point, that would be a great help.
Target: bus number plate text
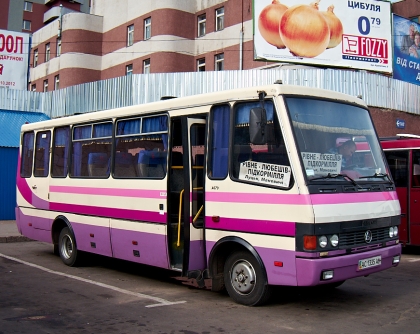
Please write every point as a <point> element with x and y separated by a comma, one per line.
<point>371,262</point>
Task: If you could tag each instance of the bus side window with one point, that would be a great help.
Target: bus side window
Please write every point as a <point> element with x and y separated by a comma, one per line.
<point>27,154</point>
<point>416,169</point>
<point>219,146</point>
<point>398,164</point>
<point>60,152</point>
<point>42,154</point>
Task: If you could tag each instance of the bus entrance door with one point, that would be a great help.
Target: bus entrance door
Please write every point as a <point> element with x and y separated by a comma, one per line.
<point>186,195</point>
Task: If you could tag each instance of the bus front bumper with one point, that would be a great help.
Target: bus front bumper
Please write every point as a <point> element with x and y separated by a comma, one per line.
<point>311,272</point>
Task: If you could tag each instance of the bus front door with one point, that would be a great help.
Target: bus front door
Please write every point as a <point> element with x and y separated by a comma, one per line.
<point>186,195</point>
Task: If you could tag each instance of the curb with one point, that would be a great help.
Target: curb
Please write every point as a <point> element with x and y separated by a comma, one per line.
<point>14,239</point>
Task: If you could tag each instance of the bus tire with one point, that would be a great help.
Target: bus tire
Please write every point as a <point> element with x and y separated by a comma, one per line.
<point>245,280</point>
<point>67,248</point>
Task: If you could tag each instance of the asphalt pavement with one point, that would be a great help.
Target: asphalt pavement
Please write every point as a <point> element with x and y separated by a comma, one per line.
<point>10,233</point>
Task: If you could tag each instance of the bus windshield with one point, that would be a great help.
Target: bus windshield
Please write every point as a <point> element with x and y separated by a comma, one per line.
<point>336,141</point>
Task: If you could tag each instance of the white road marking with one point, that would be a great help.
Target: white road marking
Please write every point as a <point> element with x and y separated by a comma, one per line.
<point>413,260</point>
<point>159,301</point>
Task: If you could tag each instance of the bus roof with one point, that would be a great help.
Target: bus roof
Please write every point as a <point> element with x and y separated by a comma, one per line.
<point>168,105</point>
<point>401,141</point>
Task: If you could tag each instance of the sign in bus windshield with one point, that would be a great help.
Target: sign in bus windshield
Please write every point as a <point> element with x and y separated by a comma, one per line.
<point>320,163</point>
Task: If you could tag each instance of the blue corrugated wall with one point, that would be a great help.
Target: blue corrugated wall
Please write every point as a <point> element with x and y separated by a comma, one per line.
<point>8,167</point>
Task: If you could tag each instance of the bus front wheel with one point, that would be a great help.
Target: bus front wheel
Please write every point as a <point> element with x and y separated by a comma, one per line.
<point>67,247</point>
<point>245,280</point>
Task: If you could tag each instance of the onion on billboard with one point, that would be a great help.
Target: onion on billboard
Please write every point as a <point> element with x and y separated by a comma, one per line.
<point>268,23</point>
<point>303,29</point>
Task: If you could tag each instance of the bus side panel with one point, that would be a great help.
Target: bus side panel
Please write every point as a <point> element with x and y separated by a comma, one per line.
<point>140,242</point>
<point>268,248</point>
<point>415,216</point>
<point>34,224</point>
<point>403,228</point>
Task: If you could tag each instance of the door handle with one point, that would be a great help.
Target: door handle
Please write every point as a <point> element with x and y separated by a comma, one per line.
<point>34,187</point>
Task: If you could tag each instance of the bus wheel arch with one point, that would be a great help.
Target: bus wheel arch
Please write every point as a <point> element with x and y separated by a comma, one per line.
<point>233,253</point>
<point>65,242</point>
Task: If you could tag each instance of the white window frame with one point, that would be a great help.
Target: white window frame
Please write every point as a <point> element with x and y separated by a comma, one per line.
<point>27,6</point>
<point>146,66</point>
<point>220,18</point>
<point>26,25</point>
<point>57,82</point>
<point>47,52</point>
<point>129,69</point>
<point>130,35</point>
<point>201,65</point>
<point>201,25</point>
<point>45,86</point>
<point>58,47</point>
<point>36,58</point>
<point>219,61</point>
<point>147,28</point>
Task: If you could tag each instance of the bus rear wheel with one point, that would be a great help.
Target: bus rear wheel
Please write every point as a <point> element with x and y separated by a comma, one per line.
<point>67,248</point>
<point>245,280</point>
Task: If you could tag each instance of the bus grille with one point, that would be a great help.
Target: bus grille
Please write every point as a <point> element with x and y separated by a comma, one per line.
<point>357,238</point>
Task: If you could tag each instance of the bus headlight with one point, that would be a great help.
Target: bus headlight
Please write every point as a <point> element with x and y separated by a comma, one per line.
<point>393,231</point>
<point>323,241</point>
<point>334,240</point>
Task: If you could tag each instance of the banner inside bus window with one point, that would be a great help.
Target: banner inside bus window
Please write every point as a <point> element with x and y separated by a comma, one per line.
<point>264,173</point>
<point>321,163</point>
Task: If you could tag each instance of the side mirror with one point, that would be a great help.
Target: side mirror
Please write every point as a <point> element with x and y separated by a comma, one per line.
<point>257,124</point>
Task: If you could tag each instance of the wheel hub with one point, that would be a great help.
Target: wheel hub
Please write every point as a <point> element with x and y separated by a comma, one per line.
<point>243,277</point>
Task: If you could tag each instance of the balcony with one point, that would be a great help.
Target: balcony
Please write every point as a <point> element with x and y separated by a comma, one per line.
<point>77,1</point>
<point>54,13</point>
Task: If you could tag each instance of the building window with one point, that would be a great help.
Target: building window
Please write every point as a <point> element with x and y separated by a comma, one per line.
<point>58,47</point>
<point>57,82</point>
<point>130,35</point>
<point>36,58</point>
<point>33,88</point>
<point>45,86</point>
<point>147,28</point>
<point>201,25</point>
<point>47,52</point>
<point>27,6</point>
<point>129,69</point>
<point>201,65</point>
<point>146,66</point>
<point>219,60</point>
<point>26,25</point>
<point>220,19</point>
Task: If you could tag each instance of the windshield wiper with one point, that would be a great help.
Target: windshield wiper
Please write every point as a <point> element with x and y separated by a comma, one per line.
<point>334,176</point>
<point>378,175</point>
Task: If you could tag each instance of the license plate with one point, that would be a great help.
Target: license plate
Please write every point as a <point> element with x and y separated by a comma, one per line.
<point>369,263</point>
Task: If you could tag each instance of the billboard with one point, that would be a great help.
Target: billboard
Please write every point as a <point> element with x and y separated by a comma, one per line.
<point>353,34</point>
<point>14,59</point>
<point>406,50</point>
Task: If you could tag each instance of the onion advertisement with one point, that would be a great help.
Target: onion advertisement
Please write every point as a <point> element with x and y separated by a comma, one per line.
<point>341,33</point>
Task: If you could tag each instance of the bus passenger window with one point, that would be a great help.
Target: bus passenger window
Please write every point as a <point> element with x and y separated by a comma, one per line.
<point>264,164</point>
<point>27,154</point>
<point>416,168</point>
<point>60,152</point>
<point>91,150</point>
<point>219,146</point>
<point>141,147</point>
<point>42,153</point>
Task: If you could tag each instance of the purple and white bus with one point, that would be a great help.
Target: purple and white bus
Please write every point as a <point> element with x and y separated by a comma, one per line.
<point>245,187</point>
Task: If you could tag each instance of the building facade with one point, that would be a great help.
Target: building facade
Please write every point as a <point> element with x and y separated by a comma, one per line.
<point>30,16</point>
<point>129,37</point>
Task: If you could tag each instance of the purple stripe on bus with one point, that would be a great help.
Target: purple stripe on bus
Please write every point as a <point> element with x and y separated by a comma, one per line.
<point>110,212</point>
<point>36,228</point>
<point>138,193</point>
<point>294,199</point>
<point>212,196</point>
<point>354,197</point>
<point>29,196</point>
<point>252,226</point>
<point>197,259</point>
